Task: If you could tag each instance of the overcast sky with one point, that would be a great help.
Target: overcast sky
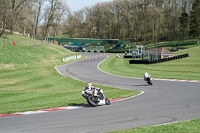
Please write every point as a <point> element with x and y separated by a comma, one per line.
<point>76,5</point>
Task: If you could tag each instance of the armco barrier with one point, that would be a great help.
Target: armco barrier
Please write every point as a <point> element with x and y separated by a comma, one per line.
<point>131,56</point>
<point>158,61</point>
<point>128,56</point>
<point>71,58</point>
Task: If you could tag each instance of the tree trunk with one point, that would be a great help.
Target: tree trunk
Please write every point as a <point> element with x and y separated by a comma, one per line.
<point>37,19</point>
<point>46,32</point>
<point>3,29</point>
<point>2,32</point>
<point>54,35</point>
<point>12,21</point>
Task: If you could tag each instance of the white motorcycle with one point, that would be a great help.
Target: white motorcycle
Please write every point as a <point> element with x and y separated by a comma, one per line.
<point>147,79</point>
<point>95,97</point>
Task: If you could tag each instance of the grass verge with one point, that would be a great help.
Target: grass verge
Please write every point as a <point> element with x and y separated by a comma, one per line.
<point>181,127</point>
<point>175,45</point>
<point>186,68</point>
<point>29,81</point>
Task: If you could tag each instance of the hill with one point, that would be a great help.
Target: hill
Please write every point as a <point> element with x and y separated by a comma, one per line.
<point>175,45</point>
<point>29,52</point>
<point>29,81</point>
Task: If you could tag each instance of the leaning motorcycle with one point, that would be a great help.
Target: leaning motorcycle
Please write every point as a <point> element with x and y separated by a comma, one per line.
<point>95,97</point>
<point>149,81</point>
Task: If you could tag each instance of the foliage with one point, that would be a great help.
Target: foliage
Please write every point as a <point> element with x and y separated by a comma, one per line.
<point>54,15</point>
<point>25,16</point>
<point>184,24</point>
<point>195,20</point>
<point>134,20</point>
<point>147,21</point>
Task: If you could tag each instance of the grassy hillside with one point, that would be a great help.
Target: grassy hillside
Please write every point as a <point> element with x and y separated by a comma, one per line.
<point>187,68</point>
<point>29,81</point>
<point>27,56</point>
<point>175,45</point>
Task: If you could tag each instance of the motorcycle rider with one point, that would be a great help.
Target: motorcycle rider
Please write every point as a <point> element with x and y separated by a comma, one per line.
<point>146,76</point>
<point>89,89</point>
<point>89,86</point>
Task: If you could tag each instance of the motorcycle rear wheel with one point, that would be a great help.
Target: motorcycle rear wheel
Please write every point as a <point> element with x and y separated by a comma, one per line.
<point>92,101</point>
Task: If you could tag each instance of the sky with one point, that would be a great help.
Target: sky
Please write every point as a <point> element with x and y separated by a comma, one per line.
<point>76,5</point>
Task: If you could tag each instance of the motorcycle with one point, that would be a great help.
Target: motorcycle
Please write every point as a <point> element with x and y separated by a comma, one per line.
<point>149,81</point>
<point>95,97</point>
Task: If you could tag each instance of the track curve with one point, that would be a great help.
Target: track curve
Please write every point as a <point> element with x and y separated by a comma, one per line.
<point>164,102</point>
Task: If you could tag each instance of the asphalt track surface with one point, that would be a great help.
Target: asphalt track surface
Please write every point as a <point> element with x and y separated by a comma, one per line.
<point>164,102</point>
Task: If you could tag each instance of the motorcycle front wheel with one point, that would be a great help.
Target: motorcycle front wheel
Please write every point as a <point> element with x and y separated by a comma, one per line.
<point>107,101</point>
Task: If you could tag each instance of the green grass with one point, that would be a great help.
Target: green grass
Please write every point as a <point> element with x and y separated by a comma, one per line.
<point>170,45</point>
<point>184,44</point>
<point>29,81</point>
<point>186,68</point>
<point>21,40</point>
<point>181,127</point>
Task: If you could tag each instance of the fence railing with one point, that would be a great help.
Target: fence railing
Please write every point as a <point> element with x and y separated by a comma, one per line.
<point>159,60</point>
<point>71,58</point>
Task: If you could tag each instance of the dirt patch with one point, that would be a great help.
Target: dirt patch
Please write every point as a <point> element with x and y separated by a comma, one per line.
<point>7,66</point>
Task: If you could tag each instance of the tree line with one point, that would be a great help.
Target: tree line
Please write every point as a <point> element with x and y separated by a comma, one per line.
<point>137,20</point>
<point>134,20</point>
<point>35,18</point>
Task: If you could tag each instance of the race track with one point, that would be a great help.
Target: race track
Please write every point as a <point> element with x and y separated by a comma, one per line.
<point>164,102</point>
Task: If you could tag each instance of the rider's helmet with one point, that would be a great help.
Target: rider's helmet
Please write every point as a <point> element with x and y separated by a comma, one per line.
<point>89,83</point>
<point>146,75</point>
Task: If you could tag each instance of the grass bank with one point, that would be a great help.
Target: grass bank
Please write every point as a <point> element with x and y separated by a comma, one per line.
<point>29,81</point>
<point>175,45</point>
<point>186,68</point>
<point>181,127</point>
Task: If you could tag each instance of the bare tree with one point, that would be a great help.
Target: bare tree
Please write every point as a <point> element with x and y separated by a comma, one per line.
<point>50,15</point>
<point>40,2</point>
<point>146,20</point>
<point>5,15</point>
<point>60,15</point>
<point>16,7</point>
